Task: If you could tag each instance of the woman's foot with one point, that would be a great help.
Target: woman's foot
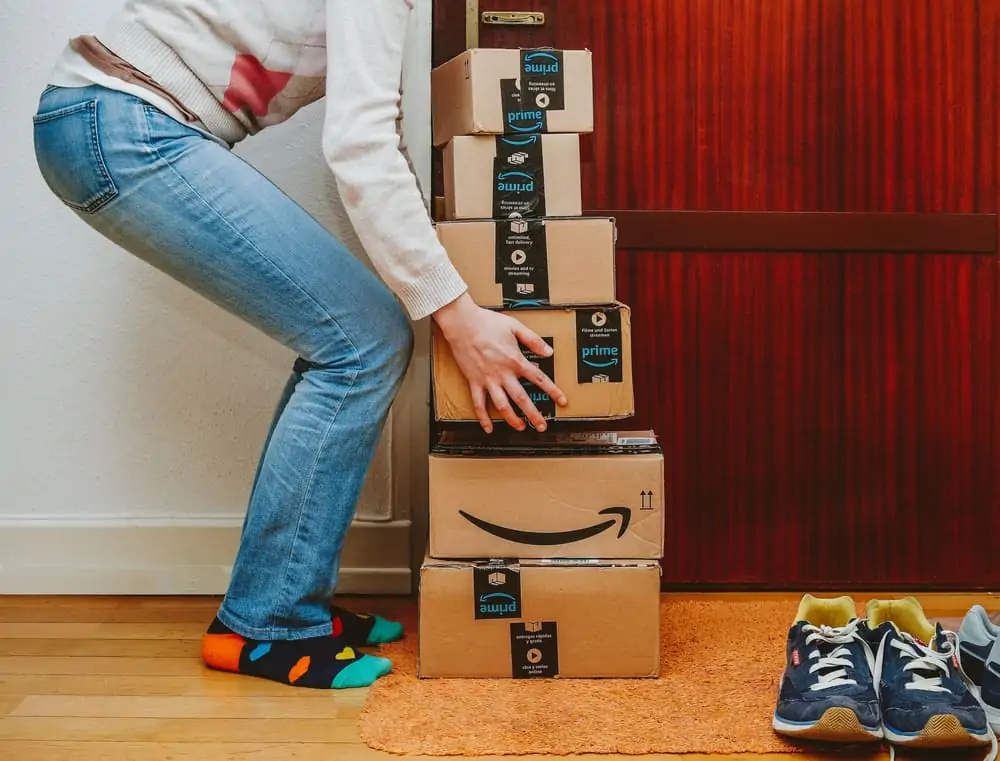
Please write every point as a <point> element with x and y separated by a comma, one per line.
<point>364,629</point>
<point>317,662</point>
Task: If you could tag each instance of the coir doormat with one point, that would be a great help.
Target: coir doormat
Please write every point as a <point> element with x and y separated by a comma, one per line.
<point>721,664</point>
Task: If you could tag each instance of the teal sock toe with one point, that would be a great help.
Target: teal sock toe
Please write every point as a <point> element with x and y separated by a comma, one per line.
<point>384,631</point>
<point>362,673</point>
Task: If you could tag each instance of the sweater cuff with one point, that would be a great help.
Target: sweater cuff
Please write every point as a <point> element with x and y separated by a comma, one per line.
<point>433,290</point>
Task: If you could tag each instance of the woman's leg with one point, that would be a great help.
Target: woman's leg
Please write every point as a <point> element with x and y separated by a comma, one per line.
<point>187,206</point>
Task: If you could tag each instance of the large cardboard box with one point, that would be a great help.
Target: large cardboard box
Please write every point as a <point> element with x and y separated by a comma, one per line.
<point>534,262</point>
<point>591,363</point>
<point>511,91</point>
<point>533,619</point>
<point>532,495</point>
<point>505,177</point>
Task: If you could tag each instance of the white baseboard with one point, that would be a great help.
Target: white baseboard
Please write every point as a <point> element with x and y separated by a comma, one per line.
<point>188,556</point>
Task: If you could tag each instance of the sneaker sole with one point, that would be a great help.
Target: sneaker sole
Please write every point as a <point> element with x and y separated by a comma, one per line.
<point>835,725</point>
<point>941,731</point>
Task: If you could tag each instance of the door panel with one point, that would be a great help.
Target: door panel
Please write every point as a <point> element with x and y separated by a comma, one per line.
<point>829,418</point>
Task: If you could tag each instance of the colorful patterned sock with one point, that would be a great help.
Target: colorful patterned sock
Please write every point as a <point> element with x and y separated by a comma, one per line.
<point>360,629</point>
<point>317,662</point>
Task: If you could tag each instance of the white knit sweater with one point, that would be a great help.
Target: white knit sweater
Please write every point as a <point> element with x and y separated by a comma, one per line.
<point>244,65</point>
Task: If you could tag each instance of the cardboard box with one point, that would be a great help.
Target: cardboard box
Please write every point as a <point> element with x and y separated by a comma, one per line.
<point>488,91</point>
<point>535,619</point>
<point>532,495</point>
<point>534,262</point>
<point>591,363</point>
<point>506,177</point>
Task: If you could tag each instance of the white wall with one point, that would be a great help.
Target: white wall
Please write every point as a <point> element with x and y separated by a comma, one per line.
<point>131,410</point>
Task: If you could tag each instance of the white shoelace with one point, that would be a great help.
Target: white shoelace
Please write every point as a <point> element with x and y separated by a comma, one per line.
<point>924,658</point>
<point>832,667</point>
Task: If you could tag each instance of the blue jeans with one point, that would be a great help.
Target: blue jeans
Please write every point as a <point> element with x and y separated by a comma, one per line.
<point>185,204</point>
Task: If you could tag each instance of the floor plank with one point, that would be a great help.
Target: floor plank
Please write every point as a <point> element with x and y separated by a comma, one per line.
<point>201,730</point>
<point>102,648</point>
<point>178,613</point>
<point>98,630</point>
<point>180,751</point>
<point>105,666</point>
<point>340,706</point>
<point>209,684</point>
<point>9,703</point>
<point>88,602</point>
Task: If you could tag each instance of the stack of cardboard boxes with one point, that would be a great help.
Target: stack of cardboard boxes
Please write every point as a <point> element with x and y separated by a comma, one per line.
<point>544,548</point>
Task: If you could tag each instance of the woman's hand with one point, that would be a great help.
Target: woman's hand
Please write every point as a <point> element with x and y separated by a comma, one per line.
<point>485,345</point>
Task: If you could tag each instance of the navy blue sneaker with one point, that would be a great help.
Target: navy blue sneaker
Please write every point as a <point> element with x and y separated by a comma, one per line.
<point>925,699</point>
<point>827,690</point>
<point>980,658</point>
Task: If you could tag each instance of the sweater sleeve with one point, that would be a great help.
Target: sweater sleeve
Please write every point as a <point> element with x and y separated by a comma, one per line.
<point>380,193</point>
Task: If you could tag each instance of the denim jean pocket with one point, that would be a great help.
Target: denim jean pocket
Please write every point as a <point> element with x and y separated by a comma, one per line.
<point>69,155</point>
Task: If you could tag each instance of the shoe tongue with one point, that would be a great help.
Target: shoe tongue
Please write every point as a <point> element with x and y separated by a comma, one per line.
<point>941,641</point>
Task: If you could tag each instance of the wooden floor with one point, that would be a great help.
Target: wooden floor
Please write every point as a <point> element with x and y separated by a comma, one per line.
<point>119,679</point>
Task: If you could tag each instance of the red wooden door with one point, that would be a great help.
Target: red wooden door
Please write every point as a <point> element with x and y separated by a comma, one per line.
<point>825,385</point>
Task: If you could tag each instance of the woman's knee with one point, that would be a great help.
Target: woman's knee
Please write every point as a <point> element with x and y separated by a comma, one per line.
<point>376,340</point>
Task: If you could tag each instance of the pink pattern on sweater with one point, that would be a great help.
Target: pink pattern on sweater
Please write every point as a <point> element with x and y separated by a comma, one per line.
<point>252,86</point>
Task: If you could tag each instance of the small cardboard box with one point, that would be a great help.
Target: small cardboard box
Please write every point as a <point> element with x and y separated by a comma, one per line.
<point>486,91</point>
<point>591,363</point>
<point>534,619</point>
<point>534,262</point>
<point>506,177</point>
<point>532,495</point>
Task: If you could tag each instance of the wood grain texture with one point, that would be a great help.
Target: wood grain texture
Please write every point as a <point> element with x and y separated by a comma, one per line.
<point>109,631</point>
<point>328,731</point>
<point>174,750</point>
<point>346,705</point>
<point>8,704</point>
<point>804,231</point>
<point>212,684</point>
<point>101,648</point>
<point>828,420</point>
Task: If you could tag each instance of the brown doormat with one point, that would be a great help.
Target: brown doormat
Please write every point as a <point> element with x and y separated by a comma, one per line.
<point>721,663</point>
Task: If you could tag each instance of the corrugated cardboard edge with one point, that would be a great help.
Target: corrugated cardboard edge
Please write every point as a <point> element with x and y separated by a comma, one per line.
<point>664,503</point>
<point>448,170</point>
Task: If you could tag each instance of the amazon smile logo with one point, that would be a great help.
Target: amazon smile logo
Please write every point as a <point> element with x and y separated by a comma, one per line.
<point>551,538</point>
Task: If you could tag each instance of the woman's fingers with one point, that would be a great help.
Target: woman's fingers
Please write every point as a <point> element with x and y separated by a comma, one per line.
<point>517,394</point>
<point>503,406</point>
<point>532,340</point>
<point>531,372</point>
<point>479,405</point>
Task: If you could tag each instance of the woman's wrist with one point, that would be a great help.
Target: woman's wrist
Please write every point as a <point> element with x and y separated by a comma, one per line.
<point>454,313</point>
